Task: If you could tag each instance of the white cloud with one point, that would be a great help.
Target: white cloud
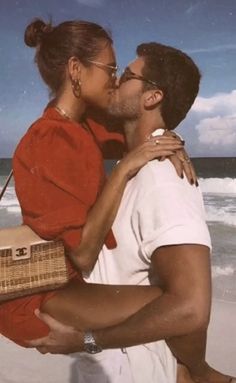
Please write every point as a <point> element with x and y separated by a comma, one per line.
<point>210,128</point>
<point>219,104</point>
<point>216,126</point>
<point>217,131</point>
<point>92,3</point>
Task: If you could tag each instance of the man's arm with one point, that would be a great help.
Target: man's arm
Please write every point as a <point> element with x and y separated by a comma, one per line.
<point>184,307</point>
<point>190,349</point>
<point>180,315</point>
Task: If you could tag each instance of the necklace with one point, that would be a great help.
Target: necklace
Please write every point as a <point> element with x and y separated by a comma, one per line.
<point>68,117</point>
<point>63,113</point>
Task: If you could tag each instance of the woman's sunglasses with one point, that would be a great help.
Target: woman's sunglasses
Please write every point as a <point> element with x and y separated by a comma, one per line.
<point>109,68</point>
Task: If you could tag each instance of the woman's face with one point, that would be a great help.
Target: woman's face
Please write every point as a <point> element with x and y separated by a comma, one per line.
<point>98,79</point>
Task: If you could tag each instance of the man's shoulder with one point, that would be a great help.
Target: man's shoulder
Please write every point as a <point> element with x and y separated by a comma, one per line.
<point>161,179</point>
<point>156,174</point>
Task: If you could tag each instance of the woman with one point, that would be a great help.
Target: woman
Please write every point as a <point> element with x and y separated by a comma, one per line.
<point>58,170</point>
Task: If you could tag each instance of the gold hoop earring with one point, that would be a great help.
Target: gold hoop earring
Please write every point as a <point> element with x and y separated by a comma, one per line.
<point>76,87</point>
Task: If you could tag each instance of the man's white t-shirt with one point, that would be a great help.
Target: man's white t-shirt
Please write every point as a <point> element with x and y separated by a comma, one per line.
<point>158,208</point>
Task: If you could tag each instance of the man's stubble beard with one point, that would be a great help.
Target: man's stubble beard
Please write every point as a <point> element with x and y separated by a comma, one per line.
<point>126,110</point>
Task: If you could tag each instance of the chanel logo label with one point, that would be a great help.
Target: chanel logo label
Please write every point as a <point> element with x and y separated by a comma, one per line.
<point>21,252</point>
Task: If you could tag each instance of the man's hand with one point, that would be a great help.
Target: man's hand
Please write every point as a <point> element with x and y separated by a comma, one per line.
<point>62,339</point>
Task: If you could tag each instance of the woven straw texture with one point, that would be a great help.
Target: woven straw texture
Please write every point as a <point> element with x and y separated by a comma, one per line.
<point>44,270</point>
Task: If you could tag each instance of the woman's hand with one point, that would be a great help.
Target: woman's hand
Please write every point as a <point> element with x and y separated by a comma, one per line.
<point>181,160</point>
<point>155,147</point>
<point>183,165</point>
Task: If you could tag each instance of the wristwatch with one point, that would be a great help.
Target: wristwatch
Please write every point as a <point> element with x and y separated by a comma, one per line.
<point>90,345</point>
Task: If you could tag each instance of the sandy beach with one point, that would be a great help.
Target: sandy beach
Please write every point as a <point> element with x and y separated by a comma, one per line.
<point>221,346</point>
<point>18,365</point>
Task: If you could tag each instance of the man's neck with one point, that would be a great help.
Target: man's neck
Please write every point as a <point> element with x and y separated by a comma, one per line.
<point>138,131</point>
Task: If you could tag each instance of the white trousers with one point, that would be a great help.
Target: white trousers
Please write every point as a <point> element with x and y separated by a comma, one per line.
<point>152,363</point>
<point>110,366</point>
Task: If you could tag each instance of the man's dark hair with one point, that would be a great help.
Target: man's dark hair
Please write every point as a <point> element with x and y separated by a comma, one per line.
<point>176,75</point>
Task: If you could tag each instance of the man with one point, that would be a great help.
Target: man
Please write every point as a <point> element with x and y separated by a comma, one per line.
<point>162,238</point>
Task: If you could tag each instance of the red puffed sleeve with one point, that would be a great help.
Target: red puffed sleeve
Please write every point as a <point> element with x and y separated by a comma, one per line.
<point>58,171</point>
<point>112,143</point>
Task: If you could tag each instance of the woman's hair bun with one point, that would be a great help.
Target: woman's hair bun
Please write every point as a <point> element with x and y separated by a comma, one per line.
<point>35,31</point>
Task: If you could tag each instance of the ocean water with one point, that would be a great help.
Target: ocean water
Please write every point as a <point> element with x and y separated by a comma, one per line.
<point>220,203</point>
<point>218,183</point>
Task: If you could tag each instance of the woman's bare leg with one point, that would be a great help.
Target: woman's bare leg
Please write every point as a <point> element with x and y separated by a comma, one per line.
<point>88,305</point>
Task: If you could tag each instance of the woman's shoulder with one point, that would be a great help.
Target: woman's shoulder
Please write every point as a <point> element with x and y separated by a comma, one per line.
<point>51,128</point>
<point>52,133</point>
<point>51,123</point>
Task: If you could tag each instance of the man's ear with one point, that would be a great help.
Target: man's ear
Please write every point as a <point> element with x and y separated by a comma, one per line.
<point>152,98</point>
<point>74,68</point>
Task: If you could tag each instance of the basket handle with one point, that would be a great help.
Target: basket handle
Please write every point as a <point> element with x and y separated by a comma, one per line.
<point>6,184</point>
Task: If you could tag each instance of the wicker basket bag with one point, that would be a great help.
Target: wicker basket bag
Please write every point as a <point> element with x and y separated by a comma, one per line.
<point>29,264</point>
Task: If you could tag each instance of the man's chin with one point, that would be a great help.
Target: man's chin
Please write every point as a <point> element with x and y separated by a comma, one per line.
<point>114,111</point>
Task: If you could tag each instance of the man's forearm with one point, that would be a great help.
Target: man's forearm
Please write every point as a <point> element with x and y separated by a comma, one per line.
<point>166,317</point>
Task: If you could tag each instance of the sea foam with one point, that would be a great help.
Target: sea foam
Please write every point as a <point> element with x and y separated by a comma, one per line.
<point>222,270</point>
<point>220,199</point>
<point>10,201</point>
<point>221,215</point>
<point>218,185</point>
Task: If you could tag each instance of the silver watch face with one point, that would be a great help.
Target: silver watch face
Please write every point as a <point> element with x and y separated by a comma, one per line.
<point>92,348</point>
<point>90,345</point>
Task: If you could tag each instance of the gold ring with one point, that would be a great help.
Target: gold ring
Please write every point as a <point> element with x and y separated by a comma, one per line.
<point>187,160</point>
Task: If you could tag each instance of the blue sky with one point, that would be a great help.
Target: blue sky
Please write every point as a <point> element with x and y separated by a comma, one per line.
<point>206,29</point>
